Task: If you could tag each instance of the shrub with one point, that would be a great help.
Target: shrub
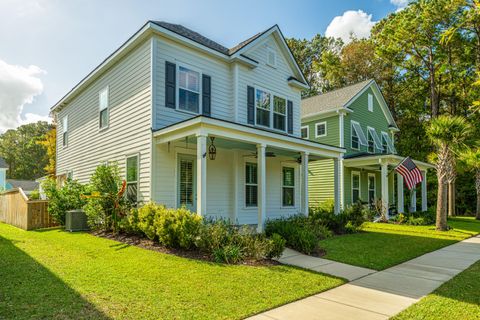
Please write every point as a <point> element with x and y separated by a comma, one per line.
<point>34,195</point>
<point>347,221</point>
<point>299,233</point>
<point>129,223</point>
<point>277,246</point>
<point>176,228</point>
<point>63,199</point>
<point>106,206</point>
<point>146,216</point>
<point>230,253</point>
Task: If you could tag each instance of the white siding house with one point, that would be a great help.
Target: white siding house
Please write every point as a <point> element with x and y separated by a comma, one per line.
<point>207,127</point>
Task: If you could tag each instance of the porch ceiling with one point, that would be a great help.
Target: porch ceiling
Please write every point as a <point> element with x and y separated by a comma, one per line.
<point>373,162</point>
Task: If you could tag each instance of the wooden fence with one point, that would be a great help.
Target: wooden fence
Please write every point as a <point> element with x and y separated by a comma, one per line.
<point>17,210</point>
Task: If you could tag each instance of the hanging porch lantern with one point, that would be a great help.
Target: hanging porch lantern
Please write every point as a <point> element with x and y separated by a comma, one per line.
<point>212,150</point>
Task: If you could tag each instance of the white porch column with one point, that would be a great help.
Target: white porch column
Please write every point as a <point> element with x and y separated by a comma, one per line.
<point>202,174</point>
<point>336,185</point>
<point>413,200</point>
<point>400,196</point>
<point>304,191</point>
<point>384,180</point>
<point>262,189</point>
<point>424,190</point>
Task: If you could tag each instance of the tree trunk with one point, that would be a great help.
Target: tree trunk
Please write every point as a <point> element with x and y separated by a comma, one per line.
<point>451,199</point>
<point>441,221</point>
<point>434,103</point>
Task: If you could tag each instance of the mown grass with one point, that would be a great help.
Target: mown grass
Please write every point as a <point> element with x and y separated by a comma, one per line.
<point>457,299</point>
<point>53,274</point>
<point>380,246</point>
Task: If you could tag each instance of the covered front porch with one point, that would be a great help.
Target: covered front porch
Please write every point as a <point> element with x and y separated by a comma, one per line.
<point>236,172</point>
<point>381,182</point>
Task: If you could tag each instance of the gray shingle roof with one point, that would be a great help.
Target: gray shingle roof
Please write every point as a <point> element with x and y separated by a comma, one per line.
<point>332,100</point>
<point>197,37</point>
<point>26,185</point>
<point>3,163</point>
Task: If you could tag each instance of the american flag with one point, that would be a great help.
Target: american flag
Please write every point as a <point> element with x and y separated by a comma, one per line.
<point>409,172</point>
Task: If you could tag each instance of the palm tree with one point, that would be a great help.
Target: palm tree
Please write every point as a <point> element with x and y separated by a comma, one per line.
<point>448,134</point>
<point>472,159</point>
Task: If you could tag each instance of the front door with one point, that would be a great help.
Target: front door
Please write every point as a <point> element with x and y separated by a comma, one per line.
<point>186,182</point>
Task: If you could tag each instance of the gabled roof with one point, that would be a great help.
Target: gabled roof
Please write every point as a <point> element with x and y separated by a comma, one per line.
<point>3,164</point>
<point>26,185</point>
<point>189,38</point>
<point>332,100</point>
<point>340,99</point>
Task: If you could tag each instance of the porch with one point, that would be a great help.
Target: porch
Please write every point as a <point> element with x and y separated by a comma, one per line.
<point>389,187</point>
<point>237,172</point>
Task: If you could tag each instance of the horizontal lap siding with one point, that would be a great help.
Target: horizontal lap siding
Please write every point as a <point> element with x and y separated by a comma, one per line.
<point>333,130</point>
<point>129,129</point>
<point>268,78</point>
<point>320,181</point>
<point>220,73</point>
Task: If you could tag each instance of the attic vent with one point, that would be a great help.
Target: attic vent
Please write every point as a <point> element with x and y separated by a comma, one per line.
<point>271,57</point>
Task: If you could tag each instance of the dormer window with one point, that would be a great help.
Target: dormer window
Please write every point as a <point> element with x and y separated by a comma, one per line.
<point>271,57</point>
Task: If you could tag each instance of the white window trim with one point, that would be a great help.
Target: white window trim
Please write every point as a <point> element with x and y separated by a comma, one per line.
<point>272,94</point>
<point>374,185</point>
<point>352,130</point>
<point>308,132</point>
<point>316,129</point>
<point>65,130</point>
<point>294,186</point>
<point>359,185</point>
<point>177,87</point>
<point>249,184</point>
<point>269,51</point>
<point>137,182</point>
<point>370,102</point>
<point>369,134</point>
<point>106,89</point>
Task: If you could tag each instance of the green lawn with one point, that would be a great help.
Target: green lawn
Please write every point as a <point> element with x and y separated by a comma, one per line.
<point>458,298</point>
<point>381,246</point>
<point>53,274</point>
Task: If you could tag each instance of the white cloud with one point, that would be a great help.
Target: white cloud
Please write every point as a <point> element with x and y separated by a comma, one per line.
<point>356,23</point>
<point>18,87</point>
<point>400,4</point>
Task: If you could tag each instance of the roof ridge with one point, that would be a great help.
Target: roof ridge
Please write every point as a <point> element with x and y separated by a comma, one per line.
<point>337,89</point>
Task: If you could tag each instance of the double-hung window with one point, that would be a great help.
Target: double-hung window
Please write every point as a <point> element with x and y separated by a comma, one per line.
<point>188,90</point>
<point>251,185</point>
<point>371,189</point>
<point>103,107</point>
<point>279,113</point>
<point>65,131</point>
<point>357,135</point>
<point>132,179</point>
<point>355,187</point>
<point>371,143</point>
<point>320,129</point>
<point>304,132</point>
<point>355,141</point>
<point>288,186</point>
<point>262,105</point>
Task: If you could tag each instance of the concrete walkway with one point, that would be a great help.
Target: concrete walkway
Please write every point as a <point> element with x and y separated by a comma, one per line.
<point>380,295</point>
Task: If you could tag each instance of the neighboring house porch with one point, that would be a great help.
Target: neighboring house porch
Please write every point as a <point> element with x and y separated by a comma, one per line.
<point>369,178</point>
<point>246,175</point>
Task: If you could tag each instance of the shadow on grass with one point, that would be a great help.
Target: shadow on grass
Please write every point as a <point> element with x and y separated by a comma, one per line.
<point>30,291</point>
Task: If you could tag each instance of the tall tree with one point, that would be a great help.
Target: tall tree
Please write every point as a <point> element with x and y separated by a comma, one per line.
<point>49,142</point>
<point>20,149</point>
<point>472,160</point>
<point>449,135</point>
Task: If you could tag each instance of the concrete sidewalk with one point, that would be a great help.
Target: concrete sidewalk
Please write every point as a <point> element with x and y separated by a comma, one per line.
<point>383,294</point>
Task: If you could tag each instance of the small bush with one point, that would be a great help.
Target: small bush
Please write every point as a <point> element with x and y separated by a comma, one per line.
<point>34,195</point>
<point>347,221</point>
<point>419,218</point>
<point>63,199</point>
<point>299,233</point>
<point>146,217</point>
<point>176,228</point>
<point>129,223</point>
<point>277,246</point>
<point>230,253</point>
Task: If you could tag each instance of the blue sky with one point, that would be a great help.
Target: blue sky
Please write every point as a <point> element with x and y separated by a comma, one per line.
<point>47,46</point>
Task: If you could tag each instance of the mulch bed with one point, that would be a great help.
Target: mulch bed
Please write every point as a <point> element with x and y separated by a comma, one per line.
<point>142,242</point>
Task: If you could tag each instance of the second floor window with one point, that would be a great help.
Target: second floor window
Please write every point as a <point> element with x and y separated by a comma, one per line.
<point>188,90</point>
<point>355,141</point>
<point>279,113</point>
<point>320,129</point>
<point>103,106</point>
<point>371,143</point>
<point>65,131</point>
<point>270,110</point>
<point>304,132</point>
<point>262,105</point>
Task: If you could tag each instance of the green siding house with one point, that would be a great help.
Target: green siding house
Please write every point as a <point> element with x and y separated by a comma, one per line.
<point>357,118</point>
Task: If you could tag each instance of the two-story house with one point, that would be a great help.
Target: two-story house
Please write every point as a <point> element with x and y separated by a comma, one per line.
<point>193,123</point>
<point>357,118</point>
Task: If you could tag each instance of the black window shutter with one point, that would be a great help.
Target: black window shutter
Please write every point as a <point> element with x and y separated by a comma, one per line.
<point>206,95</point>
<point>170,83</point>
<point>250,105</point>
<point>290,116</point>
